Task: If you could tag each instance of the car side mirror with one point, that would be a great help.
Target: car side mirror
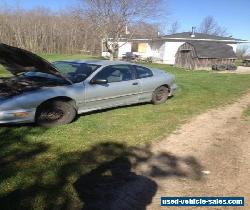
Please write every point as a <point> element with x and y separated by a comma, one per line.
<point>99,81</point>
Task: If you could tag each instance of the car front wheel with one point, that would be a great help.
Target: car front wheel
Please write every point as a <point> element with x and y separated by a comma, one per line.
<point>160,95</point>
<point>54,113</point>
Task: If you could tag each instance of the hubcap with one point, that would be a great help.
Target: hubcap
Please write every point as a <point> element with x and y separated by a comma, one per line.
<point>161,94</point>
<point>52,115</point>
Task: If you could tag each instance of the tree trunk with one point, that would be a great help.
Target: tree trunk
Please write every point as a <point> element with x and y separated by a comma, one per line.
<point>111,57</point>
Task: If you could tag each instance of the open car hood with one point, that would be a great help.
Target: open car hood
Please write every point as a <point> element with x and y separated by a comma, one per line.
<point>18,61</point>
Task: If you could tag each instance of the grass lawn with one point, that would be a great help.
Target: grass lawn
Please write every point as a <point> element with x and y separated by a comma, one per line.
<point>247,111</point>
<point>38,166</point>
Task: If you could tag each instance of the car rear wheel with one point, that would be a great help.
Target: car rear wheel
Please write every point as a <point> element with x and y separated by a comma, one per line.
<point>160,95</point>
<point>54,113</point>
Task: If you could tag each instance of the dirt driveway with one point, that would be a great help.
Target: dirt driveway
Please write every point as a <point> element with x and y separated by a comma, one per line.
<point>217,143</point>
<point>240,70</point>
<point>243,70</point>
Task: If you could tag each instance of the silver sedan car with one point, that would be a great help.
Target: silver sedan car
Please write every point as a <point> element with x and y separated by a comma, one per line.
<point>54,93</point>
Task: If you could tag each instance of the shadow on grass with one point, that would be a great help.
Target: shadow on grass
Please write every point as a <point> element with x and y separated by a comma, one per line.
<point>14,146</point>
<point>115,184</point>
<point>16,152</point>
<point>102,177</point>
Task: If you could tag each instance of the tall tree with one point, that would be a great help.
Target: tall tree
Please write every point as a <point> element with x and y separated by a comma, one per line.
<point>242,51</point>
<point>142,28</point>
<point>174,27</point>
<point>210,26</point>
<point>111,18</point>
<point>44,31</point>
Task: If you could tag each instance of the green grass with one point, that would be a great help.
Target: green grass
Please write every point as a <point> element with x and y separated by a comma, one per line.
<point>39,166</point>
<point>3,72</point>
<point>247,111</point>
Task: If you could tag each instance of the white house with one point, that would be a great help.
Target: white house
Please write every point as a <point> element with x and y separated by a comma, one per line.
<point>164,48</point>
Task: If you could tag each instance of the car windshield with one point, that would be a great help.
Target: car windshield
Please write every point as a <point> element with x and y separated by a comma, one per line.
<point>37,74</point>
<point>76,72</point>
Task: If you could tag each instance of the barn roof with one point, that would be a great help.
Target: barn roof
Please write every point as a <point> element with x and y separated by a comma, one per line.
<point>212,49</point>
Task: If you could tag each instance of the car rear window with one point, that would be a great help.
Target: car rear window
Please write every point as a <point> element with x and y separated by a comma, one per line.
<point>143,72</point>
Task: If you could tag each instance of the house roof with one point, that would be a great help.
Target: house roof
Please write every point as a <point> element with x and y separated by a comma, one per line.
<point>247,58</point>
<point>200,37</point>
<point>183,37</point>
<point>205,49</point>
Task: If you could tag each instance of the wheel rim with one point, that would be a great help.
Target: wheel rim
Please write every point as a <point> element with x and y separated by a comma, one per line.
<point>161,95</point>
<point>52,115</point>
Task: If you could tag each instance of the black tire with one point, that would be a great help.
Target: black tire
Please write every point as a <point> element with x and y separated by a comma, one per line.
<point>221,67</point>
<point>214,67</point>
<point>55,112</point>
<point>160,95</point>
<point>231,67</point>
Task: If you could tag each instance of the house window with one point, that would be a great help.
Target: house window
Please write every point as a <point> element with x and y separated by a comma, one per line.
<point>139,47</point>
<point>134,47</point>
<point>142,47</point>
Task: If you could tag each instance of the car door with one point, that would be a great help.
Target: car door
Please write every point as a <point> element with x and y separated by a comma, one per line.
<point>122,88</point>
<point>148,83</point>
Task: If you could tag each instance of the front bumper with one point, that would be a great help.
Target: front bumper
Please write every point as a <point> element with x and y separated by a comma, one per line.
<point>17,116</point>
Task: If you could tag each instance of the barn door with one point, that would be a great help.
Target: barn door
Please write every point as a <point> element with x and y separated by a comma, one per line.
<point>186,59</point>
<point>185,56</point>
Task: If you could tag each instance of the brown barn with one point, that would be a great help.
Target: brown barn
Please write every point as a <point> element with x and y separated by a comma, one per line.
<point>203,55</point>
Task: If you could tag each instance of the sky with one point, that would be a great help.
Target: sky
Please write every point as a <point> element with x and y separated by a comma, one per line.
<point>231,14</point>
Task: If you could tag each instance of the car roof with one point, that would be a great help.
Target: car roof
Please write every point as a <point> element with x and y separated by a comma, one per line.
<point>97,62</point>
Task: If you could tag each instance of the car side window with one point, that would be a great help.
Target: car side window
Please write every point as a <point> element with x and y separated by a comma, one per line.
<point>143,72</point>
<point>116,73</point>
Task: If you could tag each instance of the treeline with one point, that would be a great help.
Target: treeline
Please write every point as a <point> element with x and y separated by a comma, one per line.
<point>43,31</point>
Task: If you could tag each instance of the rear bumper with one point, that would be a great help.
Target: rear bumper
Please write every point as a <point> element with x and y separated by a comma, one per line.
<point>173,89</point>
<point>17,116</point>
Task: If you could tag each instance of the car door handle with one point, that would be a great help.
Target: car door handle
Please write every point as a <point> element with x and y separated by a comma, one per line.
<point>135,83</point>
